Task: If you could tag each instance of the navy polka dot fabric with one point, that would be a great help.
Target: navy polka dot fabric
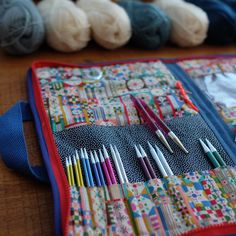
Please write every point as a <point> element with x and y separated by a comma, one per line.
<point>189,129</point>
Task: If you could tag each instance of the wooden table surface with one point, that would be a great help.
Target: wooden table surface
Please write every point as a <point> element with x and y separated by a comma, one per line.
<point>26,206</point>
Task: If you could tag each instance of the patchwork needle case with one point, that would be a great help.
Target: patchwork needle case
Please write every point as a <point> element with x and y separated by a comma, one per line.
<point>86,106</point>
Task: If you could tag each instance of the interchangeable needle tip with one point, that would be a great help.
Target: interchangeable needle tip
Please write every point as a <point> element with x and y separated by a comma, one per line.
<point>158,149</point>
<point>177,141</point>
<point>137,152</point>
<point>163,140</point>
<point>101,156</point>
<point>85,154</point>
<point>74,160</point>
<point>76,154</point>
<point>81,153</point>
<point>212,148</point>
<point>105,152</point>
<point>204,146</point>
<point>92,157</point>
<point>95,156</point>
<point>143,153</point>
<point>150,146</point>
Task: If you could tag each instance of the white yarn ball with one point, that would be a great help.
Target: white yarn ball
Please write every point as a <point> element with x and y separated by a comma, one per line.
<point>67,26</point>
<point>111,27</point>
<point>189,22</point>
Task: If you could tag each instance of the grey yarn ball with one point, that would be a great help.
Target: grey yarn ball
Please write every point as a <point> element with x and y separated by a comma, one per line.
<point>21,26</point>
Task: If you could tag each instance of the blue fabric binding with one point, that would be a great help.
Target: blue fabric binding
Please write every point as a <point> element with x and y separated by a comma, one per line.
<point>45,155</point>
<point>207,111</point>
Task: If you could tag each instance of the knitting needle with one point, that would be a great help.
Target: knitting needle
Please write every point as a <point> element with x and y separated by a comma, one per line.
<point>150,121</point>
<point>121,164</point>
<point>79,167</point>
<point>109,166</point>
<point>68,172</point>
<point>104,167</point>
<point>144,167</point>
<point>209,154</point>
<point>147,162</point>
<point>84,168</point>
<point>114,158</point>
<point>95,171</point>
<point>163,126</point>
<point>99,168</point>
<point>157,160</point>
<point>163,161</point>
<point>76,172</point>
<point>89,168</point>
<point>71,172</point>
<point>215,153</point>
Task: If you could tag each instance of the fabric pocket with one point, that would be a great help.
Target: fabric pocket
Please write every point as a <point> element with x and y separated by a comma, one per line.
<point>144,212</point>
<point>169,206</point>
<point>189,129</point>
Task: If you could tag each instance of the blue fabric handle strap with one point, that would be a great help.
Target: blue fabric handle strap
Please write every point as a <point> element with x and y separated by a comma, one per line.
<point>13,147</point>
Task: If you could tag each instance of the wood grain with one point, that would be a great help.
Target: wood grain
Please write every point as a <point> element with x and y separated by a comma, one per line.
<point>26,206</point>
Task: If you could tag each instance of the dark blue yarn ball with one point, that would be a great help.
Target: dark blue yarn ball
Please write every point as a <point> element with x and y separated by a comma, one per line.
<point>222,19</point>
<point>231,3</point>
<point>150,25</point>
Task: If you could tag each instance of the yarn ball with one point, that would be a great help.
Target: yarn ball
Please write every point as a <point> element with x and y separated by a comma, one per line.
<point>231,3</point>
<point>189,22</point>
<point>150,25</point>
<point>67,26</point>
<point>21,27</point>
<point>222,18</point>
<point>110,23</point>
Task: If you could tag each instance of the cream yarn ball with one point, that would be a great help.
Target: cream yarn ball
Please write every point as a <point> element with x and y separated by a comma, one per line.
<point>111,27</point>
<point>67,26</point>
<point>189,22</point>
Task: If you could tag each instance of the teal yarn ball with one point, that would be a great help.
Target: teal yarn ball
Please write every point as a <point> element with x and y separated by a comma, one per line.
<point>151,27</point>
<point>21,27</point>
